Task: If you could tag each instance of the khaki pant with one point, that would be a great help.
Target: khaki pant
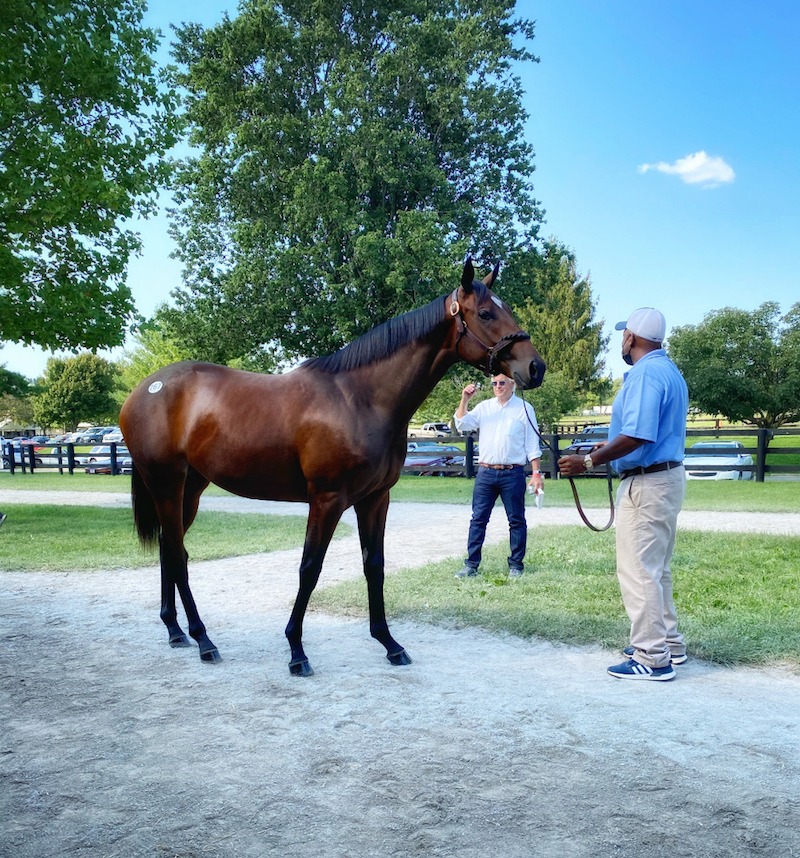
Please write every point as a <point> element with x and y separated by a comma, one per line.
<point>647,521</point>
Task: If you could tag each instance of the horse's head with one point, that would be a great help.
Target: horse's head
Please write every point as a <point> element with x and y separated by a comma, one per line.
<point>488,336</point>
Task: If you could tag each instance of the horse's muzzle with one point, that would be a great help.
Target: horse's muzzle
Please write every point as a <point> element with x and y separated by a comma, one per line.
<point>536,371</point>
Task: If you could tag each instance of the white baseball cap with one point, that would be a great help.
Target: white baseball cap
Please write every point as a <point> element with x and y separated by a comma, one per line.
<point>647,323</point>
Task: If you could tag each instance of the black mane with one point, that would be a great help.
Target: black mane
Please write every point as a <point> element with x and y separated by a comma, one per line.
<point>383,340</point>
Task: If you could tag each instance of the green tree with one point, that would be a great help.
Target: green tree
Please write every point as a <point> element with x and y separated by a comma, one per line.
<point>18,409</point>
<point>350,154</point>
<point>555,398</point>
<point>444,398</point>
<point>743,365</point>
<point>154,349</point>
<point>84,121</point>
<point>74,390</point>
<point>13,383</point>
<point>560,315</point>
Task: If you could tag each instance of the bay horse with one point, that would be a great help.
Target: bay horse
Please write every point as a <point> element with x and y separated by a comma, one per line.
<point>331,432</point>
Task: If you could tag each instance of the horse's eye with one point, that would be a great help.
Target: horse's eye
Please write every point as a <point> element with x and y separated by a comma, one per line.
<point>485,315</point>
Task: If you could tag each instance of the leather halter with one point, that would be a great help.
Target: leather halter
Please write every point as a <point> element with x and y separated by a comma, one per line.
<point>492,352</point>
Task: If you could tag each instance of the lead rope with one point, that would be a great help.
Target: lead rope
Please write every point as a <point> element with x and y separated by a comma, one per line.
<point>578,505</point>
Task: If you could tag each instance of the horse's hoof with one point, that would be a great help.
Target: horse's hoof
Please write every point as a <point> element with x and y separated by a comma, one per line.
<point>179,641</point>
<point>301,668</point>
<point>401,657</point>
<point>212,656</point>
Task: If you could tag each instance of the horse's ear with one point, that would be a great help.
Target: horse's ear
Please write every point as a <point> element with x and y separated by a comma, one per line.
<point>467,275</point>
<point>489,279</point>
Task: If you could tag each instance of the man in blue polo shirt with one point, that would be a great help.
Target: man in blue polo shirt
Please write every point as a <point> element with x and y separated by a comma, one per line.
<point>646,443</point>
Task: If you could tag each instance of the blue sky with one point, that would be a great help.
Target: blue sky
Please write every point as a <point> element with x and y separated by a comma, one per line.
<point>666,137</point>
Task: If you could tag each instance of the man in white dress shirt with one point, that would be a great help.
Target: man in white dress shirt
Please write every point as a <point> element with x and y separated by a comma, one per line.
<point>508,441</point>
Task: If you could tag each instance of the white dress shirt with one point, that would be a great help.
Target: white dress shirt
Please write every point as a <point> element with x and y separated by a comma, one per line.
<point>506,434</point>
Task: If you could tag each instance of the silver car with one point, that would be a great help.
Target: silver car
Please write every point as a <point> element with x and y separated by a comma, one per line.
<point>720,460</point>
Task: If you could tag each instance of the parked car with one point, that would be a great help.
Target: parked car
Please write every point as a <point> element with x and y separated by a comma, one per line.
<point>93,436</point>
<point>587,440</point>
<point>432,430</point>
<point>726,455</point>
<point>114,435</point>
<point>427,465</point>
<point>431,447</point>
<point>103,466</point>
<point>100,452</point>
<point>15,448</point>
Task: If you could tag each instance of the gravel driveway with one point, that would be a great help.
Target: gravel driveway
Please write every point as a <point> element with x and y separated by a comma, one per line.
<point>115,745</point>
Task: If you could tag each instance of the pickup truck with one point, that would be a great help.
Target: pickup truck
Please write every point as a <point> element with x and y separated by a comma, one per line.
<point>431,430</point>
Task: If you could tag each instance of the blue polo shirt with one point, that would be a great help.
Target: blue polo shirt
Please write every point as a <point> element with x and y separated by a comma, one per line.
<point>652,404</point>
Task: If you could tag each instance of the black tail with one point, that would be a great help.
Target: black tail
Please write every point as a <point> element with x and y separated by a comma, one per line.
<point>145,516</point>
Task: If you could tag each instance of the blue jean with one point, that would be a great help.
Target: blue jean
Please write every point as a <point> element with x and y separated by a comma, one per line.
<point>510,487</point>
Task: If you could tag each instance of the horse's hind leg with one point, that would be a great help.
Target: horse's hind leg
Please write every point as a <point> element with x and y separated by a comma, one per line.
<point>169,611</point>
<point>176,516</point>
<point>371,514</point>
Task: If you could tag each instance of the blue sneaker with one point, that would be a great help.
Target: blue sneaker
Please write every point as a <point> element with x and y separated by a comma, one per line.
<point>467,572</point>
<point>631,669</point>
<point>674,658</point>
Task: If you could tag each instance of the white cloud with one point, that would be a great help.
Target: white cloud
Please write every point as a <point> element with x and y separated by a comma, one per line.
<point>697,169</point>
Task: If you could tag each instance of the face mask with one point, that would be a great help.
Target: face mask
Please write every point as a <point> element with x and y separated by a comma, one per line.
<point>626,356</point>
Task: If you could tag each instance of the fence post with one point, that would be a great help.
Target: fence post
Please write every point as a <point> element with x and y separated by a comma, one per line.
<point>764,437</point>
<point>468,460</point>
<point>9,452</point>
<point>554,441</point>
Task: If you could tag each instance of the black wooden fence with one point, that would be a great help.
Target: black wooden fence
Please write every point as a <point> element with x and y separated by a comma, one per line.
<point>768,457</point>
<point>60,457</point>
<point>766,454</point>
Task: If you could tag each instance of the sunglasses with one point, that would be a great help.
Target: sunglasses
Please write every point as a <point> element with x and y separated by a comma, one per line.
<point>498,384</point>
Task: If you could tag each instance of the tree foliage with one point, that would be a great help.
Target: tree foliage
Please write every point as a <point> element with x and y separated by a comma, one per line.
<point>560,315</point>
<point>75,390</point>
<point>350,154</point>
<point>743,365</point>
<point>154,349</point>
<point>13,383</point>
<point>18,409</point>
<point>83,123</point>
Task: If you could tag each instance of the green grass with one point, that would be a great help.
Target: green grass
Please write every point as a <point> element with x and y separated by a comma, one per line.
<point>744,496</point>
<point>65,538</point>
<point>52,481</point>
<point>732,495</point>
<point>736,594</point>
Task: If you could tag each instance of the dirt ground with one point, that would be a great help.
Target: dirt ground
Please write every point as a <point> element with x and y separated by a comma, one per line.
<point>113,744</point>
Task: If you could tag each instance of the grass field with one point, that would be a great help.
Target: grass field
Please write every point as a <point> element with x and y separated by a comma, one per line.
<point>746,495</point>
<point>736,594</point>
<point>49,538</point>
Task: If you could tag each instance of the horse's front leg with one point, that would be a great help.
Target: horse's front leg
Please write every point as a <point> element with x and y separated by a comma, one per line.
<point>323,516</point>
<point>371,514</point>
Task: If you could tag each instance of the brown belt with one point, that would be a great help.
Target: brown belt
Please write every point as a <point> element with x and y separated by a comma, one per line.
<point>650,469</point>
<point>499,467</point>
